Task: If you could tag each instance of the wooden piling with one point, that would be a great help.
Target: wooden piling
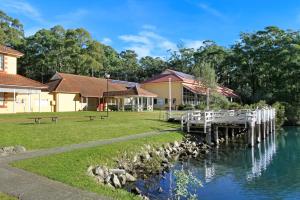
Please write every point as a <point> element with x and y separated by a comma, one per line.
<point>208,135</point>
<point>226,135</point>
<point>232,133</point>
<point>216,135</point>
<point>258,133</point>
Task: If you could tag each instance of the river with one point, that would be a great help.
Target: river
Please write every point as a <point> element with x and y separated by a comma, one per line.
<point>271,170</point>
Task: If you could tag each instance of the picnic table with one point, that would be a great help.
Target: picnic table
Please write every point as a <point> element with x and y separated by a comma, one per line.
<point>92,117</point>
<point>37,120</point>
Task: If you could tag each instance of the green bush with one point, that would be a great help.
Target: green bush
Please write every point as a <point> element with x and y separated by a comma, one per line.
<point>280,113</point>
<point>185,107</point>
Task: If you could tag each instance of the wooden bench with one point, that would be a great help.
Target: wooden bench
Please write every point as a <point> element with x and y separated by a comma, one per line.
<point>37,120</point>
<point>92,117</point>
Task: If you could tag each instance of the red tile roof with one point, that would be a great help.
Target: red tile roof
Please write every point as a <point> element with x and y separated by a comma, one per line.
<point>10,51</point>
<point>15,80</point>
<point>135,91</point>
<point>86,86</point>
<point>189,81</point>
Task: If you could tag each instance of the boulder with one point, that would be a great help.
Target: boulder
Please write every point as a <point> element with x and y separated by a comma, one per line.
<point>176,144</point>
<point>122,179</point>
<point>130,178</point>
<point>99,171</point>
<point>160,190</point>
<point>117,171</point>
<point>19,149</point>
<point>8,149</point>
<point>100,179</point>
<point>89,171</point>
<point>115,181</point>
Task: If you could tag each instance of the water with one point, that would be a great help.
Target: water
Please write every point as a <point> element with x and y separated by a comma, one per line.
<point>269,171</point>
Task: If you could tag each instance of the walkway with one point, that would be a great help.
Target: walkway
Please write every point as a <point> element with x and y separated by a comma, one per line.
<point>29,186</point>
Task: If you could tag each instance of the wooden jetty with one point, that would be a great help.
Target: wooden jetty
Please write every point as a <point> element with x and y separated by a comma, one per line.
<point>257,124</point>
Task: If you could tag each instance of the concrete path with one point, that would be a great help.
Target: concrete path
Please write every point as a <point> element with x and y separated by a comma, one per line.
<point>29,186</point>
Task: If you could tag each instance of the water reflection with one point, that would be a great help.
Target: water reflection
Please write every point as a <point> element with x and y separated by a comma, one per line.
<point>266,153</point>
<point>271,170</point>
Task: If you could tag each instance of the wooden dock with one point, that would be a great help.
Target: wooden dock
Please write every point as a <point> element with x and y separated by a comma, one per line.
<point>256,124</point>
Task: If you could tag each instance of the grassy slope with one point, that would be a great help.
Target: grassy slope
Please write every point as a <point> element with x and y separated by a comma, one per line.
<point>74,127</point>
<point>71,167</point>
<point>6,197</point>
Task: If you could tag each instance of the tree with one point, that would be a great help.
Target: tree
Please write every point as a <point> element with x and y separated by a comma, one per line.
<point>129,65</point>
<point>11,31</point>
<point>151,66</point>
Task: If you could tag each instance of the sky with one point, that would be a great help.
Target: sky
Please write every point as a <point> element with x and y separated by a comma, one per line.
<point>152,27</point>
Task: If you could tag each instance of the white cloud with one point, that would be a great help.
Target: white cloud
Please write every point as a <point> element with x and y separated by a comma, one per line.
<point>195,44</point>
<point>106,41</point>
<point>148,43</point>
<point>21,7</point>
<point>210,10</point>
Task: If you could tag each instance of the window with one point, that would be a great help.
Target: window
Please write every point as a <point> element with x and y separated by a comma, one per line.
<point>1,99</point>
<point>174,100</point>
<point>155,101</point>
<point>166,101</point>
<point>192,98</point>
<point>1,62</point>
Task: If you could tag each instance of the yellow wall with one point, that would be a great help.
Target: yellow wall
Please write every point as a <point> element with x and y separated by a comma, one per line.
<point>10,64</point>
<point>27,103</point>
<point>162,91</point>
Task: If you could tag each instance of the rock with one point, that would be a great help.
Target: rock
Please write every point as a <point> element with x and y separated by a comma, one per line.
<point>117,171</point>
<point>160,190</point>
<point>122,179</point>
<point>136,191</point>
<point>99,171</point>
<point>135,159</point>
<point>130,178</point>
<point>89,171</point>
<point>19,149</point>
<point>107,179</point>
<point>176,144</point>
<point>115,181</point>
<point>9,149</point>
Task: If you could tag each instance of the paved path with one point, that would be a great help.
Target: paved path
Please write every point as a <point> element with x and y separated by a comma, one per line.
<point>29,186</point>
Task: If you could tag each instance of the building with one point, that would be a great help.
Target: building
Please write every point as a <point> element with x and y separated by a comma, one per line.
<point>185,89</point>
<point>76,93</point>
<point>18,93</point>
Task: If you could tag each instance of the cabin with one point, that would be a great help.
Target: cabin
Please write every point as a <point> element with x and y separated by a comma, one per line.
<point>18,93</point>
<point>82,93</point>
<point>185,89</point>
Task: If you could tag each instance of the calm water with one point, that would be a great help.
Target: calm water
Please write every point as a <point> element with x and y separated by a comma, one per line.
<point>270,171</point>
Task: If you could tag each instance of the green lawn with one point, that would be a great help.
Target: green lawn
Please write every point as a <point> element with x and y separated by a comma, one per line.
<point>6,197</point>
<point>74,127</point>
<point>70,167</point>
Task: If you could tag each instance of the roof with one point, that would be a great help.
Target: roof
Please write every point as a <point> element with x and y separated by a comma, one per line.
<point>190,82</point>
<point>10,51</point>
<point>15,80</point>
<point>84,85</point>
<point>134,91</point>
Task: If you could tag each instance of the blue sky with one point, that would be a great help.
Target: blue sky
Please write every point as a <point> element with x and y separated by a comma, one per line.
<point>151,27</point>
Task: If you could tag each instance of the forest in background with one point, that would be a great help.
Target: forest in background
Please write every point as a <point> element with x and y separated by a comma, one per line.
<point>261,65</point>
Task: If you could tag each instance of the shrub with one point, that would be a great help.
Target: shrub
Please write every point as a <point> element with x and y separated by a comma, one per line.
<point>280,113</point>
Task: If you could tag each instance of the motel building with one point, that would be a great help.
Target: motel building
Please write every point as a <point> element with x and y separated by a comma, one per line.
<point>69,92</point>
<point>18,93</point>
<point>184,89</point>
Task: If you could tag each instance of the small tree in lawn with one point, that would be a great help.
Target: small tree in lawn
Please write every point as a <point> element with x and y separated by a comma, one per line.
<point>206,75</point>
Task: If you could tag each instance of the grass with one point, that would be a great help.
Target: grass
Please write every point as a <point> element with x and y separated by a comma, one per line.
<point>70,167</point>
<point>75,127</point>
<point>6,197</point>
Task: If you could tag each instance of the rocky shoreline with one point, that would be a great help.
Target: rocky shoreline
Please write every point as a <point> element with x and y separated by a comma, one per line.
<point>151,161</point>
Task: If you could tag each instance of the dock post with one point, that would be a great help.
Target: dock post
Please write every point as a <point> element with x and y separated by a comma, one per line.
<point>264,129</point>
<point>216,135</point>
<point>258,133</point>
<point>251,135</point>
<point>226,135</point>
<point>232,133</point>
<point>208,135</point>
